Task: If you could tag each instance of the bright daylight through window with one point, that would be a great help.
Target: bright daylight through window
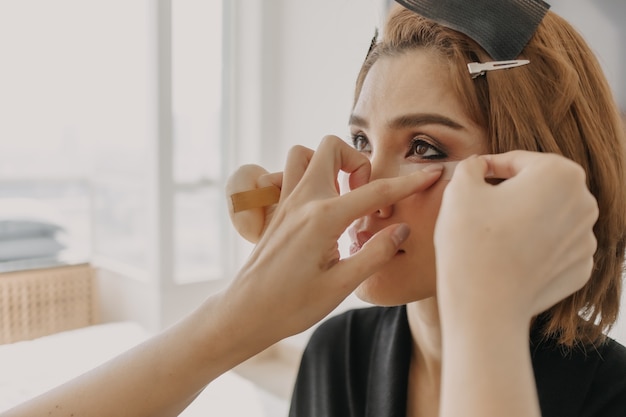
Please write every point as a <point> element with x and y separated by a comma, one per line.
<point>78,91</point>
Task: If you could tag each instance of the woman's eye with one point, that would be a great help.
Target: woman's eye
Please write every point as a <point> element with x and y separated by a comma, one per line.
<point>424,150</point>
<point>361,143</point>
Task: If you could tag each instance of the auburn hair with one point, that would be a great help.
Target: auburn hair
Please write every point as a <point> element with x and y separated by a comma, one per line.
<point>559,103</point>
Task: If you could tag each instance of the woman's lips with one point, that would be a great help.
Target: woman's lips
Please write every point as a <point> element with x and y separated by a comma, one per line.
<point>359,238</point>
<point>354,248</point>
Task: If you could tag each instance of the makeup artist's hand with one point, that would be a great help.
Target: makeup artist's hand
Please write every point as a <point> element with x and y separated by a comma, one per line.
<point>293,278</point>
<point>520,246</point>
<point>297,258</point>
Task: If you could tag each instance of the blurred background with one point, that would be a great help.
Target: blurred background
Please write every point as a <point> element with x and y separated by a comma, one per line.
<point>120,120</point>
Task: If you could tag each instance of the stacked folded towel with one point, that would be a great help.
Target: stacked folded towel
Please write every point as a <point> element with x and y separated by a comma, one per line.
<point>28,230</point>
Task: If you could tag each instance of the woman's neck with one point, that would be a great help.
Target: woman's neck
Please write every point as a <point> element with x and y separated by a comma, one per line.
<point>425,328</point>
<point>425,369</point>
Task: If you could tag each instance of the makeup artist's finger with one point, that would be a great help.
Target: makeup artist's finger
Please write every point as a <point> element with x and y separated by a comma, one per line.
<point>273,178</point>
<point>298,160</point>
<point>472,169</point>
<point>509,164</point>
<point>331,156</point>
<point>375,253</point>
<point>383,192</point>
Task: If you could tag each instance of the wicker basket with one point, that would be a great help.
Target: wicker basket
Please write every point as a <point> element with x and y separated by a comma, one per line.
<point>40,302</point>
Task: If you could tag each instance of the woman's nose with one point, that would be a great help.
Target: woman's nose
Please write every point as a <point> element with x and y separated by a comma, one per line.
<point>383,169</point>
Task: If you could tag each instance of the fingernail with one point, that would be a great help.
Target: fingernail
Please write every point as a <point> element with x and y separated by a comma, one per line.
<point>400,234</point>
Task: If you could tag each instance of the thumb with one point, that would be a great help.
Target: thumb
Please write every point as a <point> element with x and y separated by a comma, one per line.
<point>375,253</point>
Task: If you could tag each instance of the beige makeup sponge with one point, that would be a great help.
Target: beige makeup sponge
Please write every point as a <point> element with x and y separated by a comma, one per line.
<point>250,191</point>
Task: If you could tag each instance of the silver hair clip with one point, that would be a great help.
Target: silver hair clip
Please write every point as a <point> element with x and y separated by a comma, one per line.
<point>476,69</point>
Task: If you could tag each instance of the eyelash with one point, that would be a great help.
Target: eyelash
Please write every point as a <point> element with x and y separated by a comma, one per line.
<point>417,141</point>
<point>358,138</point>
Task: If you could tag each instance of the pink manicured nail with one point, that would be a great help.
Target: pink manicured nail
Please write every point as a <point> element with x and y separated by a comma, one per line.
<point>400,234</point>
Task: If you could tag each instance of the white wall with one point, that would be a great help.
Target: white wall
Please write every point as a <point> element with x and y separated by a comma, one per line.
<point>311,53</point>
<point>308,55</point>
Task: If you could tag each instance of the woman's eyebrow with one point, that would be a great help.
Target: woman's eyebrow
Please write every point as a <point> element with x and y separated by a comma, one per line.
<point>357,121</point>
<point>420,119</point>
<point>411,120</point>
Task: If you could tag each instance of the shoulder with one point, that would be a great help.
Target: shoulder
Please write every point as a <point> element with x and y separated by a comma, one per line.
<point>607,392</point>
<point>584,381</point>
<point>357,325</point>
<point>613,354</point>
<point>353,335</point>
<point>344,355</point>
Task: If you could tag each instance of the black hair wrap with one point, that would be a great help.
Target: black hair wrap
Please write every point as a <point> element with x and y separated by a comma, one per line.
<point>501,27</point>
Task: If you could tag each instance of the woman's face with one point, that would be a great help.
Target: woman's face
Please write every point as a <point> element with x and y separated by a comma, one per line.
<point>407,113</point>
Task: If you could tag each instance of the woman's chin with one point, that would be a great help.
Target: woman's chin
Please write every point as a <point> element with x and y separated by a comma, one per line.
<point>387,292</point>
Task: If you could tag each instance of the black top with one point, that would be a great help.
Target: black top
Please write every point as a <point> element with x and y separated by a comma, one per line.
<point>356,365</point>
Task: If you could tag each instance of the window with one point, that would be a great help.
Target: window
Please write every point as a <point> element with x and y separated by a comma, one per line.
<point>79,128</point>
<point>196,109</point>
